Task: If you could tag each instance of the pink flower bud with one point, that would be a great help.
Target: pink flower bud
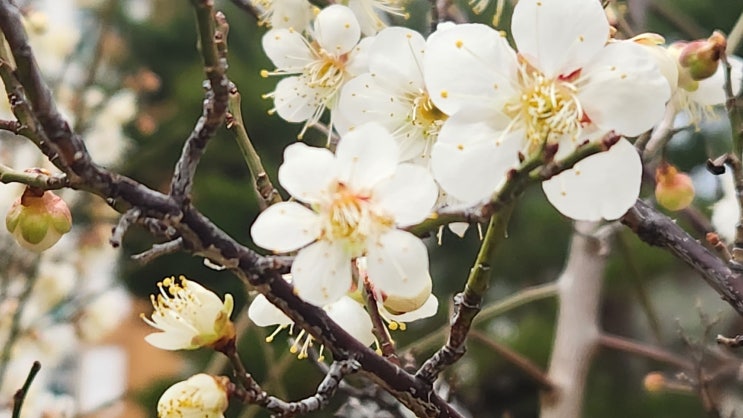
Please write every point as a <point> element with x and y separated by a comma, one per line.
<point>701,58</point>
<point>673,190</point>
<point>38,219</point>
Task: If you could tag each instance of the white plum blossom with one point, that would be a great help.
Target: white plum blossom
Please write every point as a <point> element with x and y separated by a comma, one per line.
<point>357,199</point>
<point>345,311</point>
<point>200,396</point>
<point>394,94</point>
<point>288,14</point>
<point>189,316</point>
<point>373,14</point>
<point>566,85</point>
<point>318,66</point>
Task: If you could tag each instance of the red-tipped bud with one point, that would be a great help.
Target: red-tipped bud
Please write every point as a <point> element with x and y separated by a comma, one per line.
<point>673,190</point>
<point>38,219</point>
<point>701,58</point>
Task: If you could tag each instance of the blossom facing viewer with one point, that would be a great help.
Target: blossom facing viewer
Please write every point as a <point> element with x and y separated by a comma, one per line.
<point>318,67</point>
<point>189,316</point>
<point>567,84</point>
<point>200,396</point>
<point>355,202</point>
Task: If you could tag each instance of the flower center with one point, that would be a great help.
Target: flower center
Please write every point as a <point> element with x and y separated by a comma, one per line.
<point>327,71</point>
<point>427,116</point>
<point>175,296</point>
<point>350,217</point>
<point>548,109</point>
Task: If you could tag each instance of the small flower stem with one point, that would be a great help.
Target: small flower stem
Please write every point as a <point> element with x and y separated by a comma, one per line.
<point>467,303</point>
<point>38,180</point>
<point>531,171</point>
<point>378,327</point>
<point>20,395</point>
<point>266,191</point>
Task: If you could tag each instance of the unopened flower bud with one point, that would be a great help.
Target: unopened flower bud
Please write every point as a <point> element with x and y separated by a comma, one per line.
<point>202,395</point>
<point>38,219</point>
<point>398,304</point>
<point>701,58</point>
<point>673,190</point>
<point>654,382</point>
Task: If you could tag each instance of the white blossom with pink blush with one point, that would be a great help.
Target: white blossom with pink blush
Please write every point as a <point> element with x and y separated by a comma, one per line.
<point>318,66</point>
<point>357,198</point>
<point>565,85</point>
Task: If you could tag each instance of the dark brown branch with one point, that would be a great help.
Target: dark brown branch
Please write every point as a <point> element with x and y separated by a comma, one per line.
<point>659,230</point>
<point>212,43</point>
<point>200,236</point>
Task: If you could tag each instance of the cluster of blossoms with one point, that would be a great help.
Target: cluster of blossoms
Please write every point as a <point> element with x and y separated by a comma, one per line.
<point>431,122</point>
<point>57,307</point>
<point>425,123</point>
<point>440,121</point>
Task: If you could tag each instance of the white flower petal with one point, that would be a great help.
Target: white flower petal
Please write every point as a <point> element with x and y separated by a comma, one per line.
<point>365,156</point>
<point>322,273</point>
<point>171,340</point>
<point>428,309</point>
<point>409,195</point>
<point>358,58</point>
<point>285,226</point>
<point>468,160</point>
<point>604,185</point>
<point>352,318</point>
<point>397,264</point>
<point>336,29</point>
<point>287,49</point>
<point>625,91</point>
<point>296,101</point>
<point>364,100</point>
<point>396,58</point>
<point>469,63</point>
<point>559,36</point>
<point>264,314</point>
<point>307,171</point>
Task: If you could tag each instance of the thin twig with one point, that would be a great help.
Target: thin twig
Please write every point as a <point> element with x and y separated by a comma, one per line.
<point>641,349</point>
<point>211,40</point>
<point>158,250</point>
<point>522,363</point>
<point>34,178</point>
<point>467,303</point>
<point>235,123</point>
<point>20,394</point>
<point>126,220</point>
